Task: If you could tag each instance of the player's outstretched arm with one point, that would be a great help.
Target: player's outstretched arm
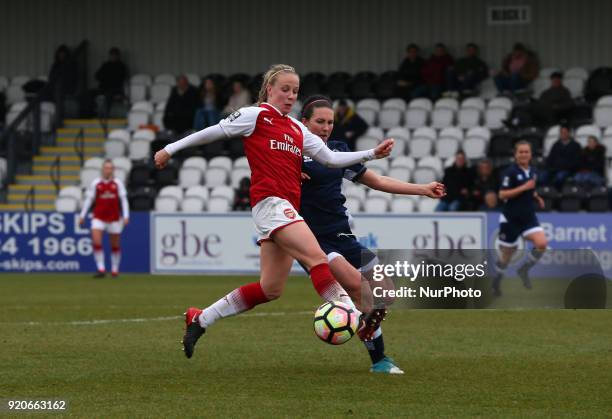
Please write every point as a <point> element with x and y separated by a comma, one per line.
<point>391,185</point>
<point>206,136</point>
<point>338,159</point>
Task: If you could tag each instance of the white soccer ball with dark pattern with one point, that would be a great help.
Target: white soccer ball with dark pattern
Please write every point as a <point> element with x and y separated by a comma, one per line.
<point>335,322</point>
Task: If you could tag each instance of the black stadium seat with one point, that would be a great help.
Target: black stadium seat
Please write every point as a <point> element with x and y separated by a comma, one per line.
<point>167,176</point>
<point>311,84</point>
<point>571,199</point>
<point>362,85</point>
<point>337,85</point>
<point>386,85</point>
<point>142,199</point>
<point>140,175</point>
<point>598,199</point>
<point>550,196</point>
<point>501,145</point>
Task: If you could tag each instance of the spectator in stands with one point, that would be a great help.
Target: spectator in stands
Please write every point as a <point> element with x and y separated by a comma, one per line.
<point>409,72</point>
<point>485,181</point>
<point>563,159</point>
<point>467,73</point>
<point>181,107</point>
<point>458,178</point>
<point>242,199</point>
<point>111,77</point>
<point>491,202</point>
<point>210,112</point>
<point>239,98</point>
<point>519,68</point>
<point>555,103</point>
<point>434,73</point>
<point>63,75</point>
<point>348,126</point>
<point>591,171</point>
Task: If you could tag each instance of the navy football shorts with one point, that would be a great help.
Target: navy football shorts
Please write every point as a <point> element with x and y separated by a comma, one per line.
<point>511,230</point>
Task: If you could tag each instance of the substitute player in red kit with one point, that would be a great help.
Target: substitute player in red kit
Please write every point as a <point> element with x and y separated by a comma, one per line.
<point>274,144</point>
<point>111,213</point>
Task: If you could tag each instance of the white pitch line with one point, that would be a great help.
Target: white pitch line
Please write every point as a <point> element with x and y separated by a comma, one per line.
<point>146,320</point>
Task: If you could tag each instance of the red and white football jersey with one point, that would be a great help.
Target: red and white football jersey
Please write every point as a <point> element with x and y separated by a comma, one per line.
<point>109,198</point>
<point>273,144</point>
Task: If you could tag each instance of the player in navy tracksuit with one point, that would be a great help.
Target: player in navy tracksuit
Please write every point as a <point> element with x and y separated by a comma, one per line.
<point>323,209</point>
<point>518,216</point>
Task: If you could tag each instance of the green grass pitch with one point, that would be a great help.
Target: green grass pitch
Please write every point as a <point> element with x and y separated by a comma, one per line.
<point>111,348</point>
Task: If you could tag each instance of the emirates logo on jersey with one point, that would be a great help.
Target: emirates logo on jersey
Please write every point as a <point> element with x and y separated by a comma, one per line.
<point>285,146</point>
<point>289,213</point>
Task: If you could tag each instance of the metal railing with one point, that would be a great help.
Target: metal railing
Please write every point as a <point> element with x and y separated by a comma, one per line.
<point>79,145</point>
<point>32,112</point>
<point>54,173</point>
<point>30,200</point>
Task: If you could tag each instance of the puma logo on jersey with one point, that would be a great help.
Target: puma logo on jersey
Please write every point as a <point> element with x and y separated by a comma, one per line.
<point>268,120</point>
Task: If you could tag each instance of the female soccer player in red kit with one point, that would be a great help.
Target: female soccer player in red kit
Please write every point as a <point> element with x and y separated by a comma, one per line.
<point>111,213</point>
<point>274,143</point>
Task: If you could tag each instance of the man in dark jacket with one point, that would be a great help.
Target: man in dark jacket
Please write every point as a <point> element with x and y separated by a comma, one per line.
<point>458,179</point>
<point>555,103</point>
<point>348,125</point>
<point>467,73</point>
<point>409,72</point>
<point>484,181</point>
<point>181,106</point>
<point>563,159</point>
<point>111,76</point>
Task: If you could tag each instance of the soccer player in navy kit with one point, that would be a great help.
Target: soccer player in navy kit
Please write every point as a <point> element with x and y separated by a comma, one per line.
<point>323,210</point>
<point>518,216</point>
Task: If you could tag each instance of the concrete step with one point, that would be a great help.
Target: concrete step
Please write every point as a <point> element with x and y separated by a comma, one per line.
<point>39,199</point>
<point>46,179</point>
<point>64,160</point>
<point>45,169</point>
<point>88,141</point>
<point>94,123</point>
<point>21,207</point>
<point>24,189</point>
<point>69,151</point>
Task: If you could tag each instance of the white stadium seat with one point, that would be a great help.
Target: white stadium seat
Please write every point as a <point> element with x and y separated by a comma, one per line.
<point>427,205</point>
<point>473,103</point>
<point>241,162</point>
<point>195,162</point>
<point>72,191</point>
<point>452,132</point>
<point>190,176</point>
<point>448,103</point>
<point>222,162</point>
<point>88,175</point>
<point>424,175</point>
<point>482,132</point>
<point>500,102</point>
<point>420,147</point>
<point>376,205</point>
<point>399,133</point>
<point>160,92</point>
<point>368,115</point>
<point>415,118</point>
<point>421,103</point>
<point>442,117</point>
<point>166,204</point>
<point>237,175</point>
<point>446,147</point>
<point>165,78</point>
<point>433,162</point>
<point>193,204</point>
<point>219,205</point>
<point>400,173</point>
<point>403,161</point>
<point>576,72</point>
<point>365,143</point>
<point>144,134</point>
<point>121,135</point>
<point>389,118</point>
<point>174,191</point>
<point>372,104</point>
<point>123,163</point>
<point>66,204</point>
<point>141,79</point>
<point>138,118</point>
<point>353,205</point>
<point>216,176</point>
<point>403,206</point>
<point>138,92</point>
<point>197,191</point>
<point>474,147</point>
<point>114,148</point>
<point>426,132</point>
<point>139,150</point>
<point>494,117</point>
<point>394,103</point>
<point>468,117</point>
<point>94,163</point>
<point>142,106</point>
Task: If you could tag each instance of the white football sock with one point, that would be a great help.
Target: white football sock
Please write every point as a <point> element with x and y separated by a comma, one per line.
<point>115,260</point>
<point>228,306</point>
<point>99,258</point>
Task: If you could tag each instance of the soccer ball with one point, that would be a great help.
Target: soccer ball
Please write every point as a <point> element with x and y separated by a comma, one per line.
<point>335,322</point>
